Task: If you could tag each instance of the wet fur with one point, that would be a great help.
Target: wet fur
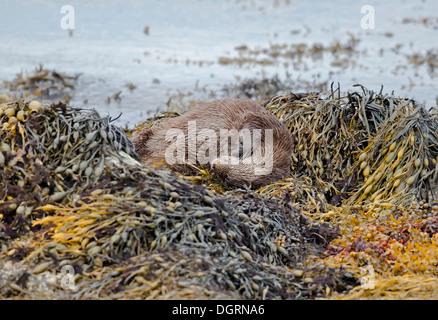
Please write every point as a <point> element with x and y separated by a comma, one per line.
<point>228,114</point>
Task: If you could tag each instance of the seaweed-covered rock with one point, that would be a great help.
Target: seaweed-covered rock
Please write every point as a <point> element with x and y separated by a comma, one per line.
<point>362,147</point>
<point>80,212</point>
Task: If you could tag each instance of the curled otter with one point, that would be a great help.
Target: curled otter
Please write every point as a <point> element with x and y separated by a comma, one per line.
<point>245,144</point>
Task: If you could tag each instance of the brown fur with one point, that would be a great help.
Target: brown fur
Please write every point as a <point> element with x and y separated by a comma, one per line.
<point>228,114</point>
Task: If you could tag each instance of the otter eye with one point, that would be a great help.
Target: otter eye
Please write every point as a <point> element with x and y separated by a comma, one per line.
<point>239,153</point>
<point>236,153</point>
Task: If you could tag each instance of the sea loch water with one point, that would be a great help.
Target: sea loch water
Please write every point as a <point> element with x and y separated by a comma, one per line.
<point>166,47</point>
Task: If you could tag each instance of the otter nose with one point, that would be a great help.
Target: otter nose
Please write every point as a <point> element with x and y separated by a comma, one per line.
<point>224,161</point>
<point>237,152</point>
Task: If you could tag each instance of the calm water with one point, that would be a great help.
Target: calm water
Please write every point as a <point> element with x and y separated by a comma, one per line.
<point>187,38</point>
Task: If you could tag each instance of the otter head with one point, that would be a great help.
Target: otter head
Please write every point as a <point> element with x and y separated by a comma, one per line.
<point>259,158</point>
<point>252,171</point>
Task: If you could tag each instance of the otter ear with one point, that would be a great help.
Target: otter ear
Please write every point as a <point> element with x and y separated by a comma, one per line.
<point>252,121</point>
<point>244,150</point>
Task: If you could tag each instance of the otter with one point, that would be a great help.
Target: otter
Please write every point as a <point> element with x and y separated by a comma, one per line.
<point>241,141</point>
